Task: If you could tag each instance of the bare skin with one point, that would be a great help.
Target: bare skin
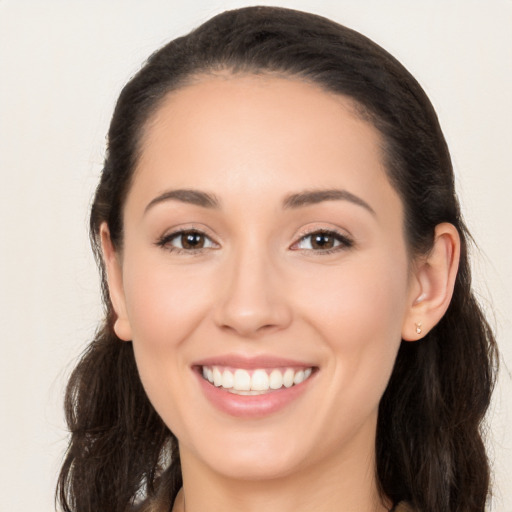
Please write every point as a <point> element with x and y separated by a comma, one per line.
<point>252,264</point>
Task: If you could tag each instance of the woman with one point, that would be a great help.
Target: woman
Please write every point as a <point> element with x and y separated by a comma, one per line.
<point>290,323</point>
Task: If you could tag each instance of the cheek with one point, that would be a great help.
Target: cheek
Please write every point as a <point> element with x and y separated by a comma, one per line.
<point>359,311</point>
<point>164,307</point>
<point>164,304</point>
<point>359,298</point>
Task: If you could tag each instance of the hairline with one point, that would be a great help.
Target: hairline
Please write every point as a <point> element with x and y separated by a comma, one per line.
<point>228,71</point>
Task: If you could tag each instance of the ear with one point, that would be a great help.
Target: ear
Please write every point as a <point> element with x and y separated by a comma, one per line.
<point>114,272</point>
<point>432,283</point>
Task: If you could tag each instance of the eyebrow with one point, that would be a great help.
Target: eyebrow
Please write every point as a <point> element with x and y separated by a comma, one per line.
<point>309,197</point>
<point>189,196</point>
<point>305,198</point>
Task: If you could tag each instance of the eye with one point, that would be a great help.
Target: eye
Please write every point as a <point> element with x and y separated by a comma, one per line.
<point>323,241</point>
<point>189,240</point>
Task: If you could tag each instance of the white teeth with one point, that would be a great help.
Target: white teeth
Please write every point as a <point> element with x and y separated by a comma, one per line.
<point>227,379</point>
<point>217,377</point>
<point>259,380</point>
<point>299,377</point>
<point>288,378</point>
<point>276,379</point>
<point>242,382</point>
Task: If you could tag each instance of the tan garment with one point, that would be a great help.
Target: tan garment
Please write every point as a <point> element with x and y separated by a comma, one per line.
<point>403,507</point>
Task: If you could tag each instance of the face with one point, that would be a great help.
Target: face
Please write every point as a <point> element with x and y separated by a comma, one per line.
<point>264,251</point>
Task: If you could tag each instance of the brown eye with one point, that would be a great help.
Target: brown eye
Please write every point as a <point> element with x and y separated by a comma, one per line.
<point>323,241</point>
<point>186,241</point>
<point>192,240</point>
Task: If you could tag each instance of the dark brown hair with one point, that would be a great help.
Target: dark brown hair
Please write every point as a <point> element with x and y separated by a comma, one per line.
<point>429,439</point>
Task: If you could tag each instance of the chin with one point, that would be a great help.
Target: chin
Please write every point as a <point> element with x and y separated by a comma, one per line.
<point>255,467</point>
<point>250,457</point>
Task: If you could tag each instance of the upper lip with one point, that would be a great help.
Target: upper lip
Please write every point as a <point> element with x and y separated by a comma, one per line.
<point>251,362</point>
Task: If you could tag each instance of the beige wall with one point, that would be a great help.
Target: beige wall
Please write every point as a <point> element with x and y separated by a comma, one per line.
<point>62,65</point>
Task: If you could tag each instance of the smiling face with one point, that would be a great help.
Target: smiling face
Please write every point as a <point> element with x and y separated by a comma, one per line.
<point>263,241</point>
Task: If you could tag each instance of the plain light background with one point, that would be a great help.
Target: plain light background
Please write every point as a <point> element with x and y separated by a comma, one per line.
<point>62,65</point>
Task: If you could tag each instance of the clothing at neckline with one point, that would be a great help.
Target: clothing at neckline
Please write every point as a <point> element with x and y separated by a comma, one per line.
<point>402,507</point>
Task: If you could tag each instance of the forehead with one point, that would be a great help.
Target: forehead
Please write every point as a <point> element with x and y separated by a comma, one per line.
<point>210,104</point>
<point>259,132</point>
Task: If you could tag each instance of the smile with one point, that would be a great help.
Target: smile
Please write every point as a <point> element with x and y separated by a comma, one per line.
<point>254,382</point>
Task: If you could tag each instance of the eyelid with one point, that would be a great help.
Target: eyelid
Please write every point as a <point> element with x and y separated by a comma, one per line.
<point>346,241</point>
<point>164,240</point>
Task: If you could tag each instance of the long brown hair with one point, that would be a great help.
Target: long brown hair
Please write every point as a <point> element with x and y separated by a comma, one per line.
<point>429,440</point>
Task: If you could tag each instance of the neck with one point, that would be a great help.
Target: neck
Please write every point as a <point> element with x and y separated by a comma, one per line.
<point>349,487</point>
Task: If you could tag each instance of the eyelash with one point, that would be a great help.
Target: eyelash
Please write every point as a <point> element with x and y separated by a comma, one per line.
<point>165,242</point>
<point>344,242</point>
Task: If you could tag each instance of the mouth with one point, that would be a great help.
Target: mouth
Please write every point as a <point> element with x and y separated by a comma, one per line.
<point>253,387</point>
<point>252,382</point>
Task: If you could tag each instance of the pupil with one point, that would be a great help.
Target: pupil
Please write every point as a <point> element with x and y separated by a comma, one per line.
<point>192,240</point>
<point>322,241</point>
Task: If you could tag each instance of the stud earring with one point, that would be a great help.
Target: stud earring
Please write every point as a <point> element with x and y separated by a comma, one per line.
<point>418,327</point>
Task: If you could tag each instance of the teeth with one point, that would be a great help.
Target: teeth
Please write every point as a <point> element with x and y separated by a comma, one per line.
<point>217,377</point>
<point>299,377</point>
<point>259,381</point>
<point>227,379</point>
<point>288,378</point>
<point>242,382</point>
<point>276,379</point>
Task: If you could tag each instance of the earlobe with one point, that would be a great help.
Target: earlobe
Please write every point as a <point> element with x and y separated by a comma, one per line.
<point>433,284</point>
<point>115,284</point>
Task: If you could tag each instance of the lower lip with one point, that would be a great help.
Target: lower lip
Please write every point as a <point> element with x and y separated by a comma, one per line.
<point>251,406</point>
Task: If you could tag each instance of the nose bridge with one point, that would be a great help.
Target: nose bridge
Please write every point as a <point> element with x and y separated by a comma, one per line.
<point>252,300</point>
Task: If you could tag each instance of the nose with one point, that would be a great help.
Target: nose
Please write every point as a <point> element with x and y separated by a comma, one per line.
<point>253,299</point>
